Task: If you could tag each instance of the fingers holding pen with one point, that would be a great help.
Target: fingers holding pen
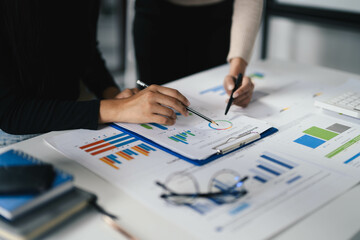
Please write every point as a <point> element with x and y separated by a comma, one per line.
<point>153,104</point>
<point>229,84</point>
<point>171,98</point>
<point>242,96</point>
<point>159,104</point>
<point>171,92</point>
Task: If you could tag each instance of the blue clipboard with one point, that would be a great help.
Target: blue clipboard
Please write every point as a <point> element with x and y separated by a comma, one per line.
<point>193,161</point>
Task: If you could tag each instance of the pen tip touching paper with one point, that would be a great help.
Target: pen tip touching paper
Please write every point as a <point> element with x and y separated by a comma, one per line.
<point>213,122</point>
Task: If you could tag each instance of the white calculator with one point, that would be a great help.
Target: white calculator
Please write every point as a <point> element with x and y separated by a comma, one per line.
<point>347,103</point>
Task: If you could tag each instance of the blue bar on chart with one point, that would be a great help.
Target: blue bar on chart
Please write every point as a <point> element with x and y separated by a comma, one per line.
<point>182,137</point>
<point>260,176</point>
<point>267,169</point>
<point>143,149</point>
<point>120,139</point>
<point>146,147</point>
<point>108,143</point>
<point>126,142</point>
<point>239,208</point>
<point>114,158</point>
<point>279,161</point>
<point>256,75</point>
<point>130,152</point>
<point>177,140</point>
<point>272,166</point>
<point>352,158</point>
<point>218,89</point>
<point>309,141</point>
<point>293,179</point>
<point>113,137</point>
<point>159,126</point>
<point>260,179</point>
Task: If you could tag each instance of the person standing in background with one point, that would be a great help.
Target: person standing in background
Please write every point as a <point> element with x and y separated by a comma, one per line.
<point>176,38</point>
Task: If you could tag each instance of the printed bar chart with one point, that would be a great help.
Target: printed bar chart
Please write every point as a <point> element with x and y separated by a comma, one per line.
<point>315,136</point>
<point>182,137</point>
<point>108,144</point>
<point>127,154</point>
<point>110,162</point>
<point>272,166</point>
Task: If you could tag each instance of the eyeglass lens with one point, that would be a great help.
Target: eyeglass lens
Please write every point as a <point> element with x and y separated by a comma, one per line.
<point>180,183</point>
<point>227,182</point>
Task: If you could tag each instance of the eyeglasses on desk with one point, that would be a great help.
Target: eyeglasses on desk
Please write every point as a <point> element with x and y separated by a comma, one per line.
<point>225,186</point>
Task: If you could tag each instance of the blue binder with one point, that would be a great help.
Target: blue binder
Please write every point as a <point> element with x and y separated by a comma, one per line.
<point>193,161</point>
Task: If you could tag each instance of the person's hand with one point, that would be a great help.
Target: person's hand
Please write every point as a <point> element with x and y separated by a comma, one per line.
<point>242,96</point>
<point>153,104</point>
<point>127,93</point>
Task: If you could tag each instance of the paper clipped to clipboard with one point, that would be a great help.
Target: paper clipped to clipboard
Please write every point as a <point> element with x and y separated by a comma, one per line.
<point>195,139</point>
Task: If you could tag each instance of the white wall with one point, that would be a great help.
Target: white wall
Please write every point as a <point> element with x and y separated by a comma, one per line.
<point>311,43</point>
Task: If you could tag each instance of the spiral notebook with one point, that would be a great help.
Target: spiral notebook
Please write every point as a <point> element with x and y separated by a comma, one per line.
<point>12,206</point>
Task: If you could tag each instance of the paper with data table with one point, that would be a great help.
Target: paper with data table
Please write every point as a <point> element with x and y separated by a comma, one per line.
<point>281,188</point>
<point>197,139</point>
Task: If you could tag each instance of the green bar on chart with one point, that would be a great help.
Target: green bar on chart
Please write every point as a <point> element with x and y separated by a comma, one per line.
<point>146,126</point>
<point>320,133</point>
<point>343,147</point>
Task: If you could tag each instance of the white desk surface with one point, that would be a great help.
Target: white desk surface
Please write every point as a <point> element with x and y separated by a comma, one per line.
<point>339,219</point>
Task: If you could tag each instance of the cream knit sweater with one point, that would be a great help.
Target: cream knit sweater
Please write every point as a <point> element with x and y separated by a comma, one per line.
<point>245,24</point>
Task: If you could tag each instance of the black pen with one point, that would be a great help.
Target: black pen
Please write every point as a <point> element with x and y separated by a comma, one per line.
<point>144,85</point>
<point>237,85</point>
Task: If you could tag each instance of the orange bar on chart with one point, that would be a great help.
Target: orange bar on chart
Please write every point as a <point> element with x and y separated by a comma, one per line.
<point>107,162</point>
<point>111,161</point>
<point>124,155</point>
<point>103,150</point>
<point>140,150</point>
<point>97,147</point>
<point>130,157</point>
<point>91,144</point>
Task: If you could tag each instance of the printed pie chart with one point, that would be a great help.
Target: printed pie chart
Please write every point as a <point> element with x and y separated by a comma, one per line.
<point>222,125</point>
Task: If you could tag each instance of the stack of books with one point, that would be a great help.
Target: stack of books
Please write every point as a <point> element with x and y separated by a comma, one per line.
<point>30,215</point>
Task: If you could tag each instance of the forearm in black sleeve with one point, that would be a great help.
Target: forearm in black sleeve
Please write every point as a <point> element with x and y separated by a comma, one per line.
<point>22,116</point>
<point>97,77</point>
